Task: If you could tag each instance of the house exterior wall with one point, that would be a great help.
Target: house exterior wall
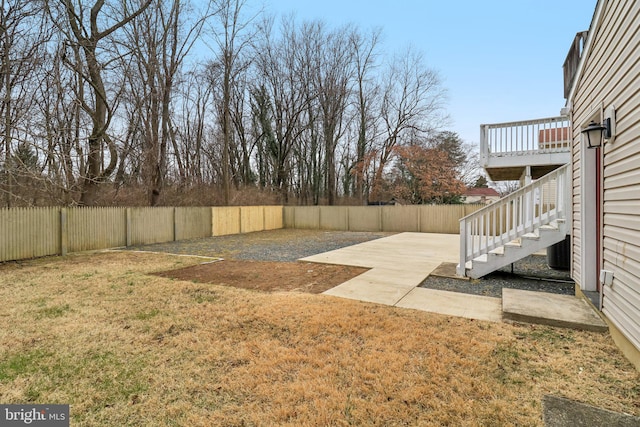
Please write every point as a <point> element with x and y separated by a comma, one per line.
<point>609,75</point>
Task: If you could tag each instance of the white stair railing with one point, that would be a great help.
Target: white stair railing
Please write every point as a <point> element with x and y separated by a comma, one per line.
<point>521,212</point>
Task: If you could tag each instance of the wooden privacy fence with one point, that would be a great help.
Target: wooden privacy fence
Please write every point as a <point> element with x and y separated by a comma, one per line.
<point>416,218</point>
<point>36,232</point>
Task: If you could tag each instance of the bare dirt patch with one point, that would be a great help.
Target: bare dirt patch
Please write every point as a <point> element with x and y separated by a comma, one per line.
<point>268,276</point>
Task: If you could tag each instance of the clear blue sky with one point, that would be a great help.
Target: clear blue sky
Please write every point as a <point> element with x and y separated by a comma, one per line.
<point>500,60</point>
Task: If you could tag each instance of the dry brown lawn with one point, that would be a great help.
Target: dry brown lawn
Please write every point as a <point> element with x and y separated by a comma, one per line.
<point>125,347</point>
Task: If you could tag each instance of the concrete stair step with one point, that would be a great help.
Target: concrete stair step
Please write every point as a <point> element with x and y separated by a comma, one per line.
<point>548,227</point>
<point>499,251</point>
<point>482,259</point>
<point>550,309</point>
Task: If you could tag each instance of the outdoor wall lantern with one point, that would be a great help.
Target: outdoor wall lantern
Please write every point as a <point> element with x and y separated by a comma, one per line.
<point>597,132</point>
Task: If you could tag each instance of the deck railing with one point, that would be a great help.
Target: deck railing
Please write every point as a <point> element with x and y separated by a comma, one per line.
<point>548,135</point>
<point>521,212</point>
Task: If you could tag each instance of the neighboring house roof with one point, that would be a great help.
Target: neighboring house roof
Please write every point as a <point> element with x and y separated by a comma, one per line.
<point>554,135</point>
<point>479,192</point>
<point>553,138</point>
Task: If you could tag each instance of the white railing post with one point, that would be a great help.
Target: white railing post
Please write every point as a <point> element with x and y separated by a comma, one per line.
<point>461,269</point>
<point>484,147</point>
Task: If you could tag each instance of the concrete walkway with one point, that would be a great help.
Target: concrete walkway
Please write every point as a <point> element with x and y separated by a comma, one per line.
<point>399,263</point>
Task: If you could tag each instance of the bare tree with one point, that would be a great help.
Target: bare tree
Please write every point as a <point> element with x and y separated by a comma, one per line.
<point>365,56</point>
<point>333,79</point>
<point>60,124</point>
<point>82,27</point>
<point>231,40</point>
<point>281,96</point>
<point>412,105</point>
<point>100,97</point>
<point>194,127</point>
<point>159,41</point>
<point>23,34</point>
<point>246,142</point>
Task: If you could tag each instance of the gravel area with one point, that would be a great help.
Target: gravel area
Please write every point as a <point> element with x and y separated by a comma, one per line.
<point>273,245</point>
<point>531,273</point>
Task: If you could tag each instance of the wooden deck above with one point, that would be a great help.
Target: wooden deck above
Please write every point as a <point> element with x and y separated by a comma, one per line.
<point>506,149</point>
<point>514,173</point>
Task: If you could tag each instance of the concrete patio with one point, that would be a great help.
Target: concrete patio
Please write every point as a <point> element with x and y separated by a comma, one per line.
<point>399,263</point>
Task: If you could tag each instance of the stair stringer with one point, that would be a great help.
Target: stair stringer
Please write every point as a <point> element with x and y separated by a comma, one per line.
<point>528,244</point>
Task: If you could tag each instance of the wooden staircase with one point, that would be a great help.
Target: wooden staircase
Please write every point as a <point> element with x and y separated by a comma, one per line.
<point>526,221</point>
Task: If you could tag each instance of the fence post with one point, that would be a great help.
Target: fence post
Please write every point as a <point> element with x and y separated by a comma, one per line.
<point>175,225</point>
<point>213,219</point>
<point>127,225</point>
<point>64,237</point>
<point>293,218</point>
<point>346,212</point>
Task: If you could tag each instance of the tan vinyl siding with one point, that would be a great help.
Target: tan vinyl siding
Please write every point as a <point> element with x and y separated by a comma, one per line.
<point>610,76</point>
